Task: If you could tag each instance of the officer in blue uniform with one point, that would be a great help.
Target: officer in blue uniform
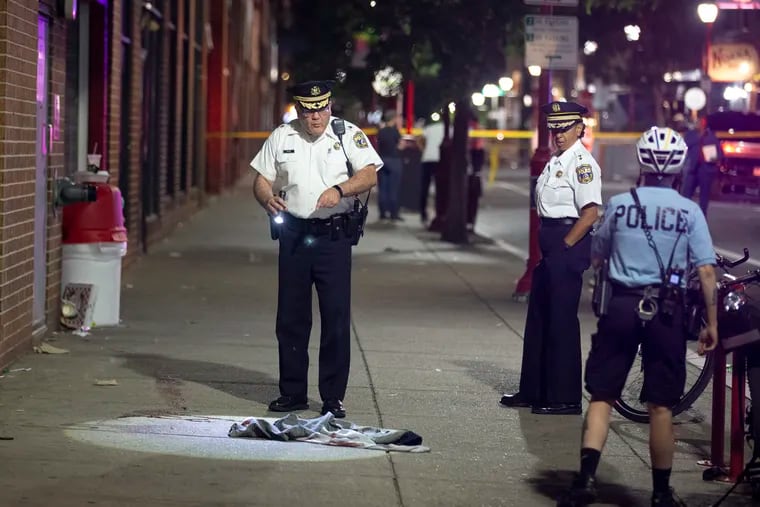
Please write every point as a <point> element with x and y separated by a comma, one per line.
<point>648,237</point>
<point>309,173</point>
<point>568,193</point>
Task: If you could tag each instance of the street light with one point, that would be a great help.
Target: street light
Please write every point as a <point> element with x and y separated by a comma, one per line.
<point>708,13</point>
<point>506,83</point>
<point>478,99</point>
<point>632,32</point>
<point>492,91</point>
<point>534,70</point>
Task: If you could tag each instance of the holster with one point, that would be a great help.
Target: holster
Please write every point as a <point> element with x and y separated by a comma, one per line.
<point>600,298</point>
<point>355,221</point>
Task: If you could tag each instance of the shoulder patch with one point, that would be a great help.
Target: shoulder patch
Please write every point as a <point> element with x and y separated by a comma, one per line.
<point>584,173</point>
<point>360,141</point>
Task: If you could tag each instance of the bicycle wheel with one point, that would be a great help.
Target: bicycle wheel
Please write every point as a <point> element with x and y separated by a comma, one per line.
<point>698,375</point>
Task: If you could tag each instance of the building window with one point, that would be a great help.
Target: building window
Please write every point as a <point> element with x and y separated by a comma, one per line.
<point>125,147</point>
<point>152,27</point>
<point>185,87</point>
<point>198,127</point>
<point>171,159</point>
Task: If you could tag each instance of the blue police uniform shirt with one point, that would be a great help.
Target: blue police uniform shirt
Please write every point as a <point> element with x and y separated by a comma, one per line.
<point>674,222</point>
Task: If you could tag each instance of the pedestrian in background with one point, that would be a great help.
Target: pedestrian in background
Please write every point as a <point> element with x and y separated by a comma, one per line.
<point>568,193</point>
<point>389,145</point>
<point>474,178</point>
<point>432,137</point>
<point>318,227</point>
<point>702,163</point>
<point>646,309</point>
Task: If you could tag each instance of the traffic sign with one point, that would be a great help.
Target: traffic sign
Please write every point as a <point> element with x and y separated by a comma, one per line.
<point>551,42</point>
<point>695,99</point>
<point>559,3</point>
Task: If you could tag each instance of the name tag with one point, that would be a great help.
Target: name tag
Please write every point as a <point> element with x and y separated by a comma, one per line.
<point>288,151</point>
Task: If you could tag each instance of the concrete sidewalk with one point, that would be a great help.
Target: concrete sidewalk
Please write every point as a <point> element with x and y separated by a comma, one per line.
<point>437,339</point>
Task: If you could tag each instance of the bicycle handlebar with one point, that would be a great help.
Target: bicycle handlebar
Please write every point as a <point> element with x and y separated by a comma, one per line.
<point>725,263</point>
<point>751,277</point>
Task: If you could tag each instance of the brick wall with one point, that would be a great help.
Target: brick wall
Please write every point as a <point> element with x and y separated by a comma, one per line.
<point>113,150</point>
<point>18,141</point>
<point>18,58</point>
<point>133,221</point>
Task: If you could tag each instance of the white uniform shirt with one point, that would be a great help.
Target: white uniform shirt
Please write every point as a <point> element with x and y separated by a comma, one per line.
<point>568,182</point>
<point>433,135</point>
<point>306,168</point>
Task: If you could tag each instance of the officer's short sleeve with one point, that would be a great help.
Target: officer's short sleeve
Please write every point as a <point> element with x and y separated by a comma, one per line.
<point>600,243</point>
<point>701,250</point>
<point>586,182</point>
<point>360,151</point>
<point>265,162</point>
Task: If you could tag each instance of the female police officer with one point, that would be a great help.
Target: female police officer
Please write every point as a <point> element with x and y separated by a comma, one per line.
<point>309,157</point>
<point>568,193</point>
<point>647,236</point>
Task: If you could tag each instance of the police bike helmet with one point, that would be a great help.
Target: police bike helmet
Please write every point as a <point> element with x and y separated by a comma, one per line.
<point>661,151</point>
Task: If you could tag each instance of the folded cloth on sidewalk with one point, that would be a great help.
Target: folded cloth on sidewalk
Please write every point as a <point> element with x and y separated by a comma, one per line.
<point>328,430</point>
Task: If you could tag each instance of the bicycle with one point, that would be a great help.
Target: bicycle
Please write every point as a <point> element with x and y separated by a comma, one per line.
<point>699,369</point>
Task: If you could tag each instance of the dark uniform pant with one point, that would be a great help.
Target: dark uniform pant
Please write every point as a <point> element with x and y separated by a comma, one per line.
<point>703,177</point>
<point>307,260</point>
<point>551,361</point>
<point>615,344</point>
<point>428,170</point>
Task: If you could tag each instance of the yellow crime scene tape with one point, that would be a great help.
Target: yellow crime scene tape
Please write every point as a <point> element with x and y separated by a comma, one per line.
<point>499,135</point>
<point>477,133</point>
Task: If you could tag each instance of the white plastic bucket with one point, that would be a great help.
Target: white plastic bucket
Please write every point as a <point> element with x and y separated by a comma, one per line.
<point>98,264</point>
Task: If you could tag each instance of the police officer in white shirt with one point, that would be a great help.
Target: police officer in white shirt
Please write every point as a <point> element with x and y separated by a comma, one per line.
<point>568,193</point>
<point>309,173</point>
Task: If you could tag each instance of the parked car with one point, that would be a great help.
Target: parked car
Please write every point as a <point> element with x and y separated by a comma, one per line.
<point>739,133</point>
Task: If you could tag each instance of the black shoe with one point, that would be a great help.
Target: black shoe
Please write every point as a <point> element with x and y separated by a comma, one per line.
<point>514,400</point>
<point>581,493</point>
<point>288,404</point>
<point>666,499</point>
<point>334,406</point>
<point>558,409</point>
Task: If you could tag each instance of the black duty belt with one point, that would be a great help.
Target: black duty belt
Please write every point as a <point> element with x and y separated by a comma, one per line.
<point>546,221</point>
<point>622,290</point>
<point>315,226</point>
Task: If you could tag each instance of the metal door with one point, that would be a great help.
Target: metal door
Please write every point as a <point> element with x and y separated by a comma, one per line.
<point>41,173</point>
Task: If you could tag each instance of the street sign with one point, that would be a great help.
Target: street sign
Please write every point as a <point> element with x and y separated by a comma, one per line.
<point>551,42</point>
<point>556,3</point>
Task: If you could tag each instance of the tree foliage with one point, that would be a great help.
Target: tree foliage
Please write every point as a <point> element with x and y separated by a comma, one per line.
<point>448,47</point>
<point>671,39</point>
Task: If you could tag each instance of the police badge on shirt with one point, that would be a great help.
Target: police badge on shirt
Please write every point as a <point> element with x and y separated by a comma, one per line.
<point>584,173</point>
<point>359,140</point>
